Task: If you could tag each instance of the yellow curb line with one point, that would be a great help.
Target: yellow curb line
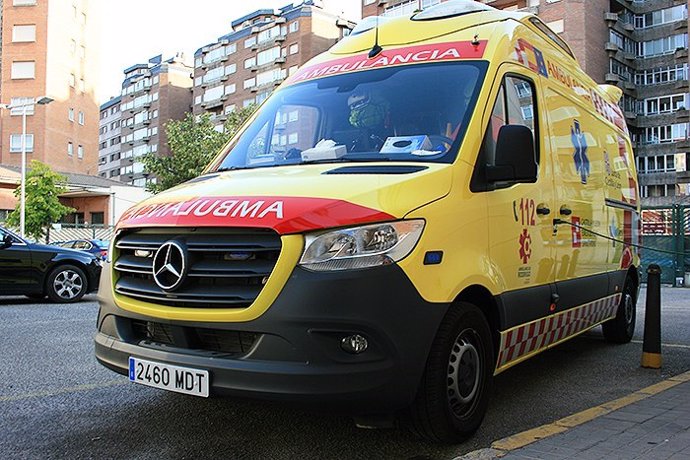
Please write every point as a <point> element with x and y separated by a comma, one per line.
<point>519,440</point>
<point>42,394</point>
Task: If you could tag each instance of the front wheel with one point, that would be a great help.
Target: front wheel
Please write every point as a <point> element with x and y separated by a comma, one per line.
<point>621,328</point>
<point>66,283</point>
<point>454,393</point>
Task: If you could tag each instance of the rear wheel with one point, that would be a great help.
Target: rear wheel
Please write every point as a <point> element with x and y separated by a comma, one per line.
<point>621,328</point>
<point>66,283</point>
<point>454,392</point>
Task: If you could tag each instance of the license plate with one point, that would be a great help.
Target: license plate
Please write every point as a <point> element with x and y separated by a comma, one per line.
<point>167,377</point>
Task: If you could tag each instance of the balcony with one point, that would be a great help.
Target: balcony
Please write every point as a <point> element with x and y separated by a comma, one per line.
<point>683,146</point>
<point>612,78</point>
<point>146,122</point>
<point>611,48</point>
<point>681,53</point>
<point>280,38</point>
<point>629,85</point>
<point>632,116</point>
<point>280,60</point>
<point>682,84</point>
<point>680,25</point>
<point>611,19</point>
<point>682,114</point>
<point>383,3</point>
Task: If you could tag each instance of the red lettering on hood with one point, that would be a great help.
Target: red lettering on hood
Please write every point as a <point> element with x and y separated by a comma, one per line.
<point>285,215</point>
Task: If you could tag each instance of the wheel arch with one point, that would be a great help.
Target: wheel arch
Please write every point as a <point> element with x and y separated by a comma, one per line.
<point>482,298</point>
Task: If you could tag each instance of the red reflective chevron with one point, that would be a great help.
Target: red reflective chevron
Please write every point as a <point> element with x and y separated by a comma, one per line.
<point>283,214</point>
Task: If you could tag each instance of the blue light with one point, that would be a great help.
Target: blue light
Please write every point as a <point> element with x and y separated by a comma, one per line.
<point>433,257</point>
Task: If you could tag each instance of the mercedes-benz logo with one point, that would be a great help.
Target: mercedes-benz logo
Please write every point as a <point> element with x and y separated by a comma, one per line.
<point>170,265</point>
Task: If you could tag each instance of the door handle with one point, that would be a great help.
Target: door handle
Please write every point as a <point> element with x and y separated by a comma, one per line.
<point>543,210</point>
<point>565,211</point>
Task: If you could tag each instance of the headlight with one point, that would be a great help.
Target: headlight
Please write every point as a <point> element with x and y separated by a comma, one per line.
<point>361,247</point>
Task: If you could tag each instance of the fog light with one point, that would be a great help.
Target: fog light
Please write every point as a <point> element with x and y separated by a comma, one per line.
<point>354,344</point>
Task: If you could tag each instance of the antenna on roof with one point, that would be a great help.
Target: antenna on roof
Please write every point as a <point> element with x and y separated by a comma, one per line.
<point>376,49</point>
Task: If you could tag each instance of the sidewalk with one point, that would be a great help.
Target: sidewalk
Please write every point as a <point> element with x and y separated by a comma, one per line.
<point>653,423</point>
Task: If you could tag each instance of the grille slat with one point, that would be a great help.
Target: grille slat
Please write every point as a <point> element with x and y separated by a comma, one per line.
<point>227,267</point>
<point>217,340</point>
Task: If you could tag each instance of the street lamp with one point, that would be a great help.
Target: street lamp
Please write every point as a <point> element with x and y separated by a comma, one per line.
<point>43,100</point>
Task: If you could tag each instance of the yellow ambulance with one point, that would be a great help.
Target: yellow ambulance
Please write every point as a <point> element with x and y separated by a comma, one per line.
<point>435,199</point>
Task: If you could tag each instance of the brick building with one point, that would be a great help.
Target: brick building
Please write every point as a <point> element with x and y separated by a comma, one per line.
<point>62,133</point>
<point>640,46</point>
<point>134,123</point>
<point>262,49</point>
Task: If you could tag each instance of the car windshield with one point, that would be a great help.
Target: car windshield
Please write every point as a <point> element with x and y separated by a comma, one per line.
<point>407,113</point>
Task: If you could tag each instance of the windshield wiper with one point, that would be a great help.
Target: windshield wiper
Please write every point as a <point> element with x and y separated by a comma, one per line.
<point>348,159</point>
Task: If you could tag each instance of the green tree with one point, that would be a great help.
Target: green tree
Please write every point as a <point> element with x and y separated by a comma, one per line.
<point>43,207</point>
<point>193,144</point>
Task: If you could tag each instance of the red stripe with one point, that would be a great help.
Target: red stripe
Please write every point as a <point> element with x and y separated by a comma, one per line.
<point>285,215</point>
<point>433,52</point>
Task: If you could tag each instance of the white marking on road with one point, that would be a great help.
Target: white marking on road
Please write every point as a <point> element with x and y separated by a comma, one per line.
<point>75,389</point>
<point>670,345</point>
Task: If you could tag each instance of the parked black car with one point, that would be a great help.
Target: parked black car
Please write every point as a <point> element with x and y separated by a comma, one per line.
<point>98,248</point>
<point>37,270</point>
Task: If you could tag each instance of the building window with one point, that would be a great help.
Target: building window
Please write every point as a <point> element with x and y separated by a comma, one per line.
<point>556,26</point>
<point>25,33</point>
<point>247,102</point>
<point>72,80</point>
<point>23,2</point>
<point>80,152</point>
<point>267,56</point>
<point>81,118</point>
<point>251,41</point>
<point>368,2</point>
<point>294,48</point>
<point>294,26</point>
<point>249,82</point>
<point>230,89</point>
<point>249,62</point>
<point>22,103</point>
<point>70,114</point>
<point>16,143</point>
<point>23,70</point>
<point>82,85</point>
<point>70,149</point>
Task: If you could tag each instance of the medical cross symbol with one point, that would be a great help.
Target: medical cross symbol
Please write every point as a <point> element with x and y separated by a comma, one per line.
<point>580,156</point>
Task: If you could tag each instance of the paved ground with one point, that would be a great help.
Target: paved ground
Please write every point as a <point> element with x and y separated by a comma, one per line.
<point>653,423</point>
<point>56,401</point>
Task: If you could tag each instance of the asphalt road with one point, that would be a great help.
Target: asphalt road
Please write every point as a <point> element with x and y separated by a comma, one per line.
<point>56,401</point>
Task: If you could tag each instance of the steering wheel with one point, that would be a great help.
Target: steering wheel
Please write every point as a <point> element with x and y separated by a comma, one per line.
<point>438,139</point>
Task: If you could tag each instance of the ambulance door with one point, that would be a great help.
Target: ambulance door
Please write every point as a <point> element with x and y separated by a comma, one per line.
<point>520,213</point>
<point>578,142</point>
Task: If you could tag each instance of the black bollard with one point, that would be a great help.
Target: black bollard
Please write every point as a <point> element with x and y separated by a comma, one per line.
<point>651,347</point>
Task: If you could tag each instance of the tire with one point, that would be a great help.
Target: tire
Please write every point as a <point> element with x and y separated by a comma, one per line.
<point>621,328</point>
<point>446,408</point>
<point>66,283</point>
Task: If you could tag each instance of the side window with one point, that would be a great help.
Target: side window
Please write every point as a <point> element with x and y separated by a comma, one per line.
<point>515,105</point>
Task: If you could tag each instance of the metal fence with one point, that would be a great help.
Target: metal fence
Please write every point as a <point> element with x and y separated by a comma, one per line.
<point>67,232</point>
<point>667,229</point>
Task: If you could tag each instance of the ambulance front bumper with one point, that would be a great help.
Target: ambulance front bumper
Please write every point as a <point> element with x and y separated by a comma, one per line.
<point>294,351</point>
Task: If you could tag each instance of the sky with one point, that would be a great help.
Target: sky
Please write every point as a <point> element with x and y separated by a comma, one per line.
<point>135,30</point>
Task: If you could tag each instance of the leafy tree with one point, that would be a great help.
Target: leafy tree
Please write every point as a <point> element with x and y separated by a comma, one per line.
<point>193,144</point>
<point>43,206</point>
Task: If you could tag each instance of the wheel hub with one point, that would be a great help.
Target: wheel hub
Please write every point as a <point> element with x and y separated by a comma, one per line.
<point>464,372</point>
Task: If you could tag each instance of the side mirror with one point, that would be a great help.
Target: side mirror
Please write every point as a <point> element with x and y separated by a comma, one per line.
<point>6,241</point>
<point>515,160</point>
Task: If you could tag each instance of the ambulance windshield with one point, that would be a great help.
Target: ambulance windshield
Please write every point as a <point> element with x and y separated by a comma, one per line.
<point>408,113</point>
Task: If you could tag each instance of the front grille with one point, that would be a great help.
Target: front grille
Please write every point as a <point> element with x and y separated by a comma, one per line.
<point>193,338</point>
<point>227,267</point>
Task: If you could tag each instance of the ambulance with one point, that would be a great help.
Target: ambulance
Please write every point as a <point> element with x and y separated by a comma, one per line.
<point>437,198</point>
